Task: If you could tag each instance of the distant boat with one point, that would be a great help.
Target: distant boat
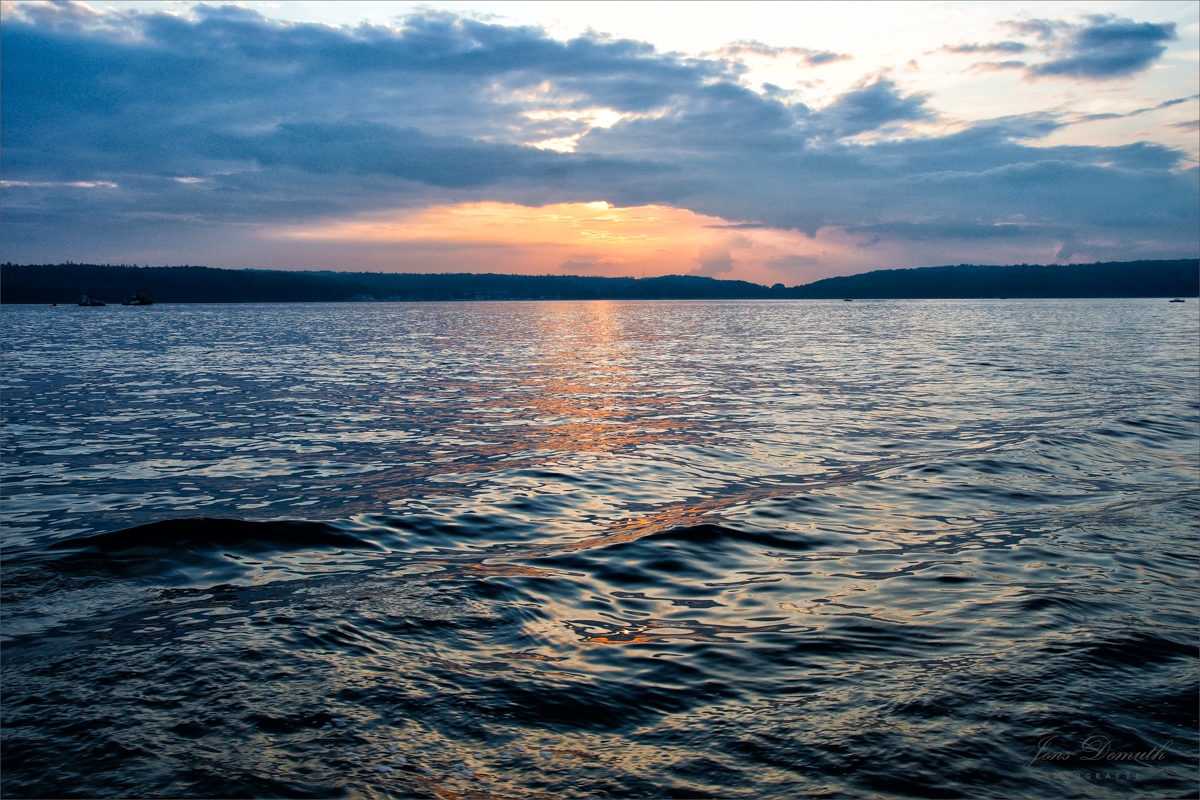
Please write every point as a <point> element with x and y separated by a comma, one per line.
<point>88,300</point>
<point>847,300</point>
<point>140,298</point>
<point>1177,300</point>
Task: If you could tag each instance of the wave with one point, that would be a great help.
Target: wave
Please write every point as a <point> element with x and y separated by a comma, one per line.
<point>709,534</point>
<point>207,532</point>
<point>205,551</point>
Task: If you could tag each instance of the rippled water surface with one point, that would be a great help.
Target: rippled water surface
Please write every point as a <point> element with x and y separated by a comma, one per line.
<point>612,550</point>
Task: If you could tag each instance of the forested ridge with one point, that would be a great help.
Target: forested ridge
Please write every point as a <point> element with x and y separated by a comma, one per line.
<point>64,283</point>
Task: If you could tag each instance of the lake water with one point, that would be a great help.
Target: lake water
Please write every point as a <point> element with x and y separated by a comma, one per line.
<point>601,549</point>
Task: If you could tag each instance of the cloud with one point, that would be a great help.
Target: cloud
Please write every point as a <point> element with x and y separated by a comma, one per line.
<point>1108,48</point>
<point>205,129</point>
<point>964,230</point>
<point>792,263</point>
<point>717,258</point>
<point>64,184</point>
<point>578,266</point>
<point>1136,112</point>
<point>1068,247</point>
<point>714,260</point>
<point>822,57</point>
<point>375,149</point>
<point>1042,29</point>
<point>808,57</point>
<point>872,106</point>
<point>1102,47</point>
<point>997,66</point>
<point>991,47</point>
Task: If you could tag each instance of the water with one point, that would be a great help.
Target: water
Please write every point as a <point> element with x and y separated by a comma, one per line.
<point>601,549</point>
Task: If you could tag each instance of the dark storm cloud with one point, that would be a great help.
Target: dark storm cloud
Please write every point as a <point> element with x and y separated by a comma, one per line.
<point>168,128</point>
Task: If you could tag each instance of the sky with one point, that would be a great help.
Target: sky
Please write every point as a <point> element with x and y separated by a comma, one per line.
<point>770,142</point>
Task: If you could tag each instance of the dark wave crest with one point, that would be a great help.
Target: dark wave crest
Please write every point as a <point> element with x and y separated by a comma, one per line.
<point>718,534</point>
<point>198,551</point>
<point>206,532</point>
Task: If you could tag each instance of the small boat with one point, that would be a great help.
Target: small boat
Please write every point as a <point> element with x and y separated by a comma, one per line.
<point>140,298</point>
<point>847,300</point>
<point>88,300</point>
<point>1177,300</point>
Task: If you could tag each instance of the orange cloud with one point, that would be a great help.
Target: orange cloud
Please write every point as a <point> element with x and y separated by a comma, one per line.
<point>579,238</point>
<point>494,223</point>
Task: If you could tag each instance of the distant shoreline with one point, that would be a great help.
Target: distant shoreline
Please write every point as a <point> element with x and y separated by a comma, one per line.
<point>44,284</point>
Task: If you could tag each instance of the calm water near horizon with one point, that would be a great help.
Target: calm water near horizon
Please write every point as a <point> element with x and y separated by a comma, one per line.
<point>751,549</point>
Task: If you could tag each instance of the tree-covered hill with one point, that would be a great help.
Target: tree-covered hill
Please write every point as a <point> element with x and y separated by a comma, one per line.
<point>64,283</point>
<point>1112,279</point>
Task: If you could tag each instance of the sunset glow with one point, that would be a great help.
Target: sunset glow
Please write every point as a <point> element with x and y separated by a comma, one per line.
<point>564,224</point>
<point>774,142</point>
<point>624,399</point>
<point>592,238</point>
